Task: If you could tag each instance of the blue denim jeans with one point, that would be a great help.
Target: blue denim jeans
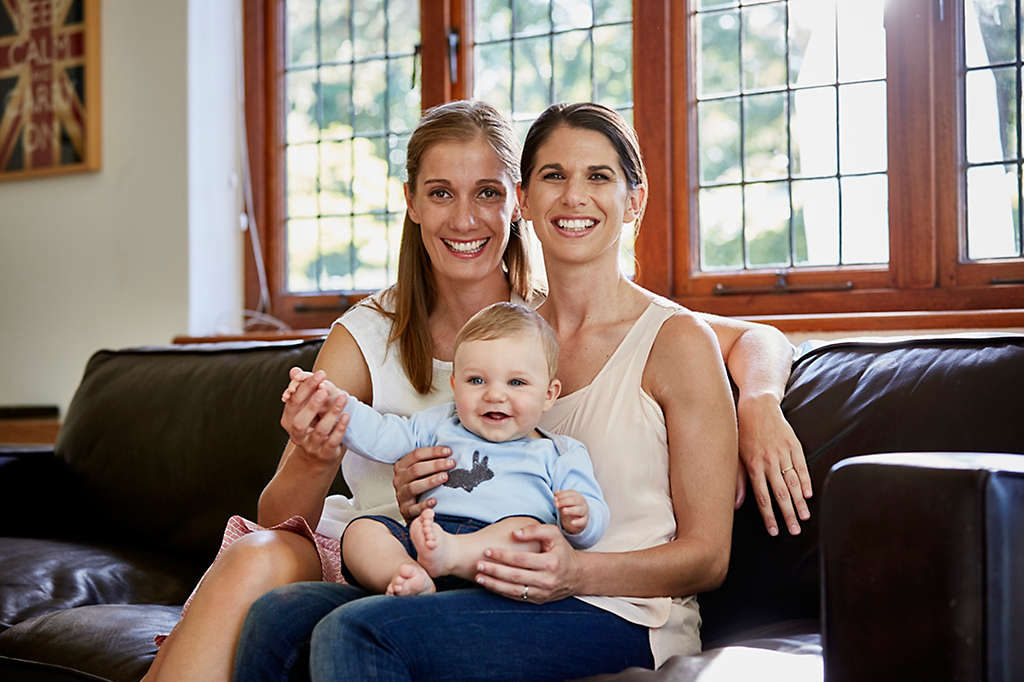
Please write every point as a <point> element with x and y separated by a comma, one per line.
<point>334,632</point>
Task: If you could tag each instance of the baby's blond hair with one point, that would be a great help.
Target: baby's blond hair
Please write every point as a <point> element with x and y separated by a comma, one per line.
<point>501,320</point>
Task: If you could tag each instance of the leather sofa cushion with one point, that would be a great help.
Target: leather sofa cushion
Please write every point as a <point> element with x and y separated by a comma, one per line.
<point>42,576</point>
<point>165,443</point>
<point>111,641</point>
<point>920,394</point>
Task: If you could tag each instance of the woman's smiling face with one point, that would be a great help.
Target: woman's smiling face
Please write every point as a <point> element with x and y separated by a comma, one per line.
<point>577,196</point>
<point>464,202</point>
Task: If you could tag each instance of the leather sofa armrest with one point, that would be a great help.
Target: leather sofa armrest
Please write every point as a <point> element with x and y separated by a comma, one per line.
<point>922,555</point>
<point>36,491</point>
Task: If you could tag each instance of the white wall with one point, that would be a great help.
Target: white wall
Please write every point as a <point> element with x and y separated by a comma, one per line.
<point>215,240</point>
<point>102,260</point>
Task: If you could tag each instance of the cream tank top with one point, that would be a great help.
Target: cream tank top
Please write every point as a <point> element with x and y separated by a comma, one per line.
<point>623,427</point>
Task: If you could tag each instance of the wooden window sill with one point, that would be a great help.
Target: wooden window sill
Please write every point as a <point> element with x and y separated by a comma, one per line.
<point>837,322</point>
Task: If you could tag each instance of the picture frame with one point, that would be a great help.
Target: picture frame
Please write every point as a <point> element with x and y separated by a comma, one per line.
<point>49,87</point>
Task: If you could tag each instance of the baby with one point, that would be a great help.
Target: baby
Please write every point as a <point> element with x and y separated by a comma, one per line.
<point>508,472</point>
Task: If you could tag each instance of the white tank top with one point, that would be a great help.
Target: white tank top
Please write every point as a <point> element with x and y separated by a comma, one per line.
<point>623,427</point>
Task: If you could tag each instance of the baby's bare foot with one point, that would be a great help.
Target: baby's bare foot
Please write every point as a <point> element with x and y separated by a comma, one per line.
<point>410,579</point>
<point>434,547</point>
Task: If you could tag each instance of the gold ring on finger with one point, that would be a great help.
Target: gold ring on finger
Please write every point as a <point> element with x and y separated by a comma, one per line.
<point>787,470</point>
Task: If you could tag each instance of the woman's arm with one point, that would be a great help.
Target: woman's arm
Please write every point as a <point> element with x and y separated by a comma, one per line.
<point>759,358</point>
<point>311,459</point>
<point>686,376</point>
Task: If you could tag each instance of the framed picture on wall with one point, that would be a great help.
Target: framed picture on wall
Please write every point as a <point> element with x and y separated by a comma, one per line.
<point>49,87</point>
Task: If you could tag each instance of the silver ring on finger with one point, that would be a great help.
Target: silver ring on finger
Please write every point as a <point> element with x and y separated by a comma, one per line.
<point>526,593</point>
<point>787,470</point>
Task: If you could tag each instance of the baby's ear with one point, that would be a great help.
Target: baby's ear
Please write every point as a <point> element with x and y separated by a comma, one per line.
<point>554,390</point>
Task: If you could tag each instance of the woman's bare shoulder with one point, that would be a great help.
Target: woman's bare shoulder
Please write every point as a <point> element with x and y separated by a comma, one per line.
<point>341,358</point>
<point>684,350</point>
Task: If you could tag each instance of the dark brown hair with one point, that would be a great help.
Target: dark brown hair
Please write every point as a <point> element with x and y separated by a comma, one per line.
<point>589,116</point>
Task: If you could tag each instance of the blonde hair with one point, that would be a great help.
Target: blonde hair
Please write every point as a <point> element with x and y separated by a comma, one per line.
<point>414,294</point>
<point>501,320</point>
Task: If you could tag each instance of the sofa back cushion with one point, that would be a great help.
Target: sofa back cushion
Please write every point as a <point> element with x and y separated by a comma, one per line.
<point>919,394</point>
<point>165,443</point>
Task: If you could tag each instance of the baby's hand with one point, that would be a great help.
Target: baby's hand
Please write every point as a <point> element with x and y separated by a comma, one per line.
<point>297,376</point>
<point>573,511</point>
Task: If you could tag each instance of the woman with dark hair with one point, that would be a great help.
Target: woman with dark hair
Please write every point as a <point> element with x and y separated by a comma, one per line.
<point>646,390</point>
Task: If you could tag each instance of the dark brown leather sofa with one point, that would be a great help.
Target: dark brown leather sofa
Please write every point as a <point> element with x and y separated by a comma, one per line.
<point>910,568</point>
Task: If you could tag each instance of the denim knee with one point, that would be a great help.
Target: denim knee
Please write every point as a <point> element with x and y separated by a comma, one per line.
<point>274,644</point>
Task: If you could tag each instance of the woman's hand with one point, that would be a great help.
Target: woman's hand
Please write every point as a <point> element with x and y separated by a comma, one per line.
<point>421,470</point>
<point>773,458</point>
<point>313,415</point>
<point>551,574</point>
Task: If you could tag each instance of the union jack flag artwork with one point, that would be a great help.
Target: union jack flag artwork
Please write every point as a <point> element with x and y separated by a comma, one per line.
<point>44,118</point>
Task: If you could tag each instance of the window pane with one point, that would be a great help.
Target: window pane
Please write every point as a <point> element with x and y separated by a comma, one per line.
<point>567,14</point>
<point>531,94</point>
<point>992,212</point>
<point>813,124</point>
<point>396,172</point>
<point>338,256</point>
<point>492,19</point>
<point>396,221</point>
<point>370,236</point>
<point>493,75</point>
<point>865,222</point>
<point>766,211</point>
<point>861,40</point>
<point>572,66</point>
<point>302,163</point>
<point>812,42</point>
<point>335,32</point>
<point>764,46</point>
<point>627,253</point>
<point>301,33</point>
<point>764,136</point>
<point>403,25</point>
<point>369,193</point>
<point>368,21</point>
<point>303,239</point>
<point>532,17</point>
<point>712,4</point>
<point>613,65</point>
<point>336,178</point>
<point>718,131</point>
<point>991,104</point>
<point>718,65</point>
<point>816,222</point>
<point>990,35</point>
<point>403,99</point>
<point>336,100</point>
<point>301,105</point>
<point>368,96</point>
<point>721,220</point>
<point>607,11</point>
<point>862,128</point>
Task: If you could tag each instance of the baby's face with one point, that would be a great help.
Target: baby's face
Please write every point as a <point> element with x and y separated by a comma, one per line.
<point>501,386</point>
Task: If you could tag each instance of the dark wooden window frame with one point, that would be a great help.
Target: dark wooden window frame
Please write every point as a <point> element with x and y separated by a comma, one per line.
<point>927,272</point>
